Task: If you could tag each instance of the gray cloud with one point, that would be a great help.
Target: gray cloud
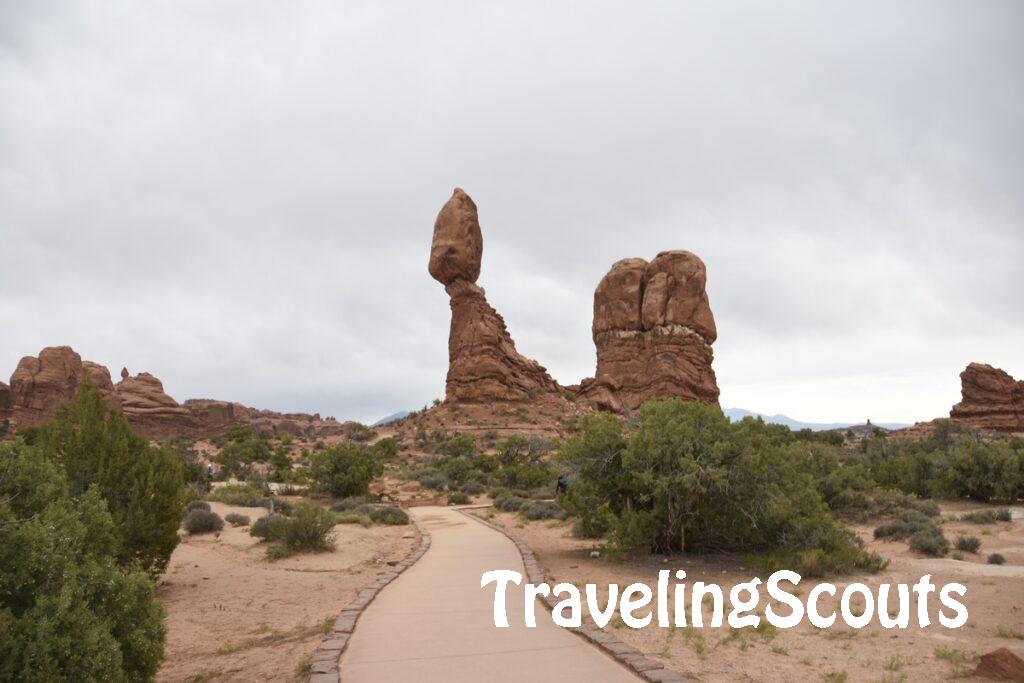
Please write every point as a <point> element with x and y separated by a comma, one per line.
<point>238,196</point>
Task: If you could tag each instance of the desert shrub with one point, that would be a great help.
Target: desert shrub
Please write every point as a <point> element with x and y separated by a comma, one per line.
<point>352,518</point>
<point>235,519</point>
<point>685,478</point>
<point>359,432</point>
<point>241,495</point>
<point>386,448</point>
<point>344,471</point>
<point>269,527</point>
<point>201,521</point>
<point>350,503</point>
<point>968,544</point>
<point>458,498</point>
<point>472,488</point>
<point>69,610</point>
<point>508,502</point>
<point>308,528</point>
<point>906,524</point>
<point>142,486</point>
<point>541,509</point>
<point>433,480</point>
<point>389,515</point>
<point>197,505</point>
<point>952,463</point>
<point>986,516</point>
<point>996,558</point>
<point>929,542</point>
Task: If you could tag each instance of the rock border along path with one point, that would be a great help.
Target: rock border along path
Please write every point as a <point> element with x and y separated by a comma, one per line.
<point>324,667</point>
<point>627,655</point>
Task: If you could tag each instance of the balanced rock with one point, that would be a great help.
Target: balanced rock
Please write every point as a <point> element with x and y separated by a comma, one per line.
<point>990,399</point>
<point>458,244</point>
<point>653,329</point>
<point>483,364</point>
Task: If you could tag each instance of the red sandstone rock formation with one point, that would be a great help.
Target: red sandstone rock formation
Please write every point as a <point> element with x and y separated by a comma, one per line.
<point>1001,665</point>
<point>40,384</point>
<point>653,329</point>
<point>483,364</point>
<point>991,399</point>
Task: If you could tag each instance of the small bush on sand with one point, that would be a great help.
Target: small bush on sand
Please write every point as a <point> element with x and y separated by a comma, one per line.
<point>352,518</point>
<point>968,544</point>
<point>986,516</point>
<point>197,505</point>
<point>350,503</point>
<point>242,495</point>
<point>473,488</point>
<point>996,558</point>
<point>201,521</point>
<point>235,519</point>
<point>507,502</point>
<point>541,509</point>
<point>930,542</point>
<point>433,480</point>
<point>268,527</point>
<point>389,515</point>
<point>458,498</point>
<point>308,528</point>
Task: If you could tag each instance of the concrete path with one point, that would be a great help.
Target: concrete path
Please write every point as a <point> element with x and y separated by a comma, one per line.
<point>434,622</point>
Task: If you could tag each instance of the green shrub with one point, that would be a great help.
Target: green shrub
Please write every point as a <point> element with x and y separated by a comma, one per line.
<point>437,481</point>
<point>344,471</point>
<point>69,611</point>
<point>473,488</point>
<point>143,486</point>
<point>201,521</point>
<point>235,519</point>
<point>350,503</point>
<point>389,515</point>
<point>996,558</point>
<point>197,505</point>
<point>458,498</point>
<point>307,529</point>
<point>269,527</point>
<point>685,478</point>
<point>352,518</point>
<point>541,509</point>
<point>929,542</point>
<point>986,516</point>
<point>906,524</point>
<point>240,495</point>
<point>508,502</point>
<point>968,544</point>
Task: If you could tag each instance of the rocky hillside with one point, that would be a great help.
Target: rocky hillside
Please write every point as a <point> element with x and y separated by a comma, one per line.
<point>41,383</point>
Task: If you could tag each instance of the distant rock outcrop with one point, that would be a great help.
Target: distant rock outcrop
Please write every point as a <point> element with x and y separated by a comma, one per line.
<point>40,384</point>
<point>653,329</point>
<point>483,364</point>
<point>990,399</point>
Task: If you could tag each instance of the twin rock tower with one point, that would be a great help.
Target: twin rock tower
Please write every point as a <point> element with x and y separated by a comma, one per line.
<point>653,327</point>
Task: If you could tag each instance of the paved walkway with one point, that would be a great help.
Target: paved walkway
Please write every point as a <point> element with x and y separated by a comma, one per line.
<point>434,622</point>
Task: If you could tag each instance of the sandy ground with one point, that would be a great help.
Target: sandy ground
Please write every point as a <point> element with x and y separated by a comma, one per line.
<point>995,600</point>
<point>233,615</point>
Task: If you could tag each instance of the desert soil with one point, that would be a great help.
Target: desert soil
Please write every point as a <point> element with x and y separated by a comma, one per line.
<point>995,601</point>
<point>233,615</point>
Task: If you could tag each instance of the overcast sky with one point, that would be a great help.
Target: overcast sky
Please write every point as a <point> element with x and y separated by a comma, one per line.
<point>239,196</point>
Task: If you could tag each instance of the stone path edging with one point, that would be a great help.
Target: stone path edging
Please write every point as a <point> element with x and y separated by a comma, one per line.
<point>325,663</point>
<point>627,655</point>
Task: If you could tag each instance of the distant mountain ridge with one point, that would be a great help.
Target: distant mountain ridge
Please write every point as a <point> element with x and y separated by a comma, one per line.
<point>390,418</point>
<point>736,414</point>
